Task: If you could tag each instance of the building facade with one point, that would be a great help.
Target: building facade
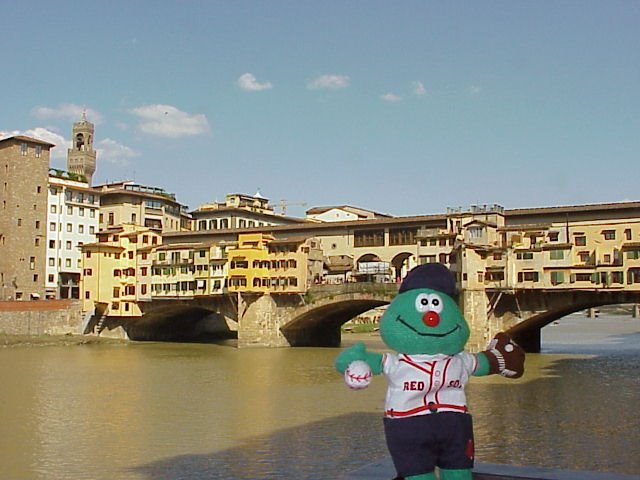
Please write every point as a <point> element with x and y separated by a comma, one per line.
<point>117,270</point>
<point>73,211</point>
<point>132,203</point>
<point>238,211</point>
<point>24,167</point>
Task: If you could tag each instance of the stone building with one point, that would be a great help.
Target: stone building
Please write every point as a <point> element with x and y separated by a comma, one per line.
<point>24,167</point>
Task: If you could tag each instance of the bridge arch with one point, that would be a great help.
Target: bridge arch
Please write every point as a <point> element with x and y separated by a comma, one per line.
<point>318,324</point>
<point>401,263</point>
<point>524,314</point>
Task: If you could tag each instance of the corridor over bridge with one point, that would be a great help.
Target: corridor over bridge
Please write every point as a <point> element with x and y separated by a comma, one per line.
<point>515,270</point>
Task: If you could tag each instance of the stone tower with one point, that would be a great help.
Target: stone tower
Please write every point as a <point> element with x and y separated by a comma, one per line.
<point>81,157</point>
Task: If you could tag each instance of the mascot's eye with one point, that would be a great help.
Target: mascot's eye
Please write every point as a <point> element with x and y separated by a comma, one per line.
<point>423,303</point>
<point>436,303</point>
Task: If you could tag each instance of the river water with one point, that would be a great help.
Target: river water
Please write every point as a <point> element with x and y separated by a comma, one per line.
<point>191,411</point>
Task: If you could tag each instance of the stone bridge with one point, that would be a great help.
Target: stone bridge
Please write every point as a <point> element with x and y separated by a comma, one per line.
<point>315,318</point>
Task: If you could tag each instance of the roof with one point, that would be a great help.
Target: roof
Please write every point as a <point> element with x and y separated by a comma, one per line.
<point>23,138</point>
<point>347,208</point>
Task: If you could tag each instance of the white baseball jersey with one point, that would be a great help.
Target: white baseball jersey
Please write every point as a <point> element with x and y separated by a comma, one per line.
<point>423,384</point>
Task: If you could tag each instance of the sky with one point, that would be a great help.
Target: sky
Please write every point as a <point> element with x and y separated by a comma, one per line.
<point>404,108</point>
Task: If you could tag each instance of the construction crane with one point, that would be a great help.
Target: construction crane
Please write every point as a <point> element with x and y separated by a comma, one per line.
<point>285,203</point>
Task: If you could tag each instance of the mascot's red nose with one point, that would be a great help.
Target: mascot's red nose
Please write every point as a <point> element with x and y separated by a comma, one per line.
<point>431,319</point>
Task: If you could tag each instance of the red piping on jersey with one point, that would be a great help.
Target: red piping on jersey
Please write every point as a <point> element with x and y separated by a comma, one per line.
<point>415,411</point>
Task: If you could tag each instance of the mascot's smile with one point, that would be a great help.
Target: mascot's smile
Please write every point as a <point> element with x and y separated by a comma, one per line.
<point>423,334</point>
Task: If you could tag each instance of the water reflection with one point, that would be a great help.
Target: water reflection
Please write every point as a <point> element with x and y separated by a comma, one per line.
<point>171,411</point>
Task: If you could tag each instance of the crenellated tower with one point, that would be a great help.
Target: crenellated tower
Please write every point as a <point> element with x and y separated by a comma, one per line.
<point>81,157</point>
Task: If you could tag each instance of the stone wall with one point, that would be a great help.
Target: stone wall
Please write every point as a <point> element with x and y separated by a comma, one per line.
<point>41,317</point>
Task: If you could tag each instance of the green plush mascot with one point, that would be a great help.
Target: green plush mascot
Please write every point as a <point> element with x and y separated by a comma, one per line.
<point>426,420</point>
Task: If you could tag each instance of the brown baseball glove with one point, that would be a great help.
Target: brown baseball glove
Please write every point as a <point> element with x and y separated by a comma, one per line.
<point>505,356</point>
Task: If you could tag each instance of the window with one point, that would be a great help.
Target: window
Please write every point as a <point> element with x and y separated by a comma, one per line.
<point>69,227</point>
<point>584,256</point>
<point>32,263</point>
<point>38,151</point>
<point>143,289</point>
<point>524,255</point>
<point>92,213</point>
<point>402,236</point>
<point>556,254</point>
<point>633,254</point>
<point>67,263</point>
<point>116,292</point>
<point>528,276</point>
<point>24,148</point>
<point>87,295</point>
<point>19,222</point>
<point>80,228</point>
<point>553,236</point>
<point>580,240</point>
<point>609,234</point>
<point>81,211</point>
<point>52,226</point>
<point>627,234</point>
<point>92,230</point>
<point>369,238</point>
<point>69,210</point>
<point>143,271</point>
<point>88,272</point>
<point>557,278</point>
<point>52,262</point>
<point>68,244</point>
<point>50,278</point>
<point>54,208</point>
<point>111,220</point>
<point>495,276</point>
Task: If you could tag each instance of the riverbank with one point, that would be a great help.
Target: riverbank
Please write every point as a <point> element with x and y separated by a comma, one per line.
<point>7,340</point>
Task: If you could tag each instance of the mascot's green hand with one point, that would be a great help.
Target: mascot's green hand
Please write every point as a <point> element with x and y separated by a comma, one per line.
<point>359,352</point>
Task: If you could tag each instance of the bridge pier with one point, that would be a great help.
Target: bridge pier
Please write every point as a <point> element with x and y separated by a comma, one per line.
<point>259,322</point>
<point>636,311</point>
<point>474,306</point>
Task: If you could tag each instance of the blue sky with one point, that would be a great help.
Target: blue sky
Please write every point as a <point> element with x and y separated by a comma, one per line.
<point>400,107</point>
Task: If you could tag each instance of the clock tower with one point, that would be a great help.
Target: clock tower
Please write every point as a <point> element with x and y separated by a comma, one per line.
<point>81,157</point>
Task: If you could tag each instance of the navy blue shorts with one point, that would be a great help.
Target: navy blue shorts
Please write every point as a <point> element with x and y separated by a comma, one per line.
<point>419,444</point>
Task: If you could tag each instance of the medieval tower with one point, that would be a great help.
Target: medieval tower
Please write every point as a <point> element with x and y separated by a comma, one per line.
<point>81,157</point>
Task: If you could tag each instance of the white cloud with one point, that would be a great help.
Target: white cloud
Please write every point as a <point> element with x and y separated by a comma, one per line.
<point>391,97</point>
<point>418,88</point>
<point>248,82</point>
<point>329,81</point>
<point>114,152</point>
<point>67,111</point>
<point>168,121</point>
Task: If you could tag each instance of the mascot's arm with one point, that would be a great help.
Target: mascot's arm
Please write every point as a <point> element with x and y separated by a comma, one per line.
<point>359,352</point>
<point>502,356</point>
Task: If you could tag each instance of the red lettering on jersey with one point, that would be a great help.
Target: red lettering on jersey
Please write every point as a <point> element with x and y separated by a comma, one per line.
<point>413,386</point>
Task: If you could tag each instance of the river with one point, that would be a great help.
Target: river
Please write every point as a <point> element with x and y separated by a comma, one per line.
<point>154,411</point>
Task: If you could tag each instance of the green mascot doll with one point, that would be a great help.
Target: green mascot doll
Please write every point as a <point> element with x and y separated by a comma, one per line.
<point>426,420</point>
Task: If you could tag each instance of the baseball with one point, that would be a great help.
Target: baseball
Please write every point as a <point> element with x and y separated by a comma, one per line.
<point>358,375</point>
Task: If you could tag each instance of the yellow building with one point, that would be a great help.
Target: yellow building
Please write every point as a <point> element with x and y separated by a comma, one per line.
<point>295,264</point>
<point>117,270</point>
<point>249,264</point>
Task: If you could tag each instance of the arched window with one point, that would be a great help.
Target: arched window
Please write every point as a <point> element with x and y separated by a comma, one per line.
<point>256,282</point>
<point>213,224</point>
